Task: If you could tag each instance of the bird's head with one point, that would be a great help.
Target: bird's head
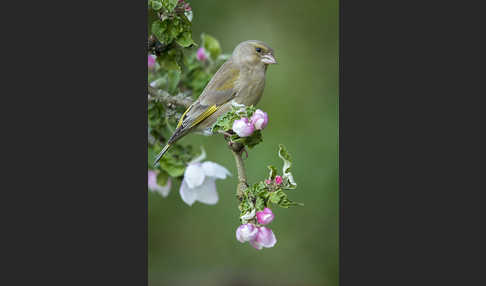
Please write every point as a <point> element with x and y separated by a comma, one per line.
<point>253,53</point>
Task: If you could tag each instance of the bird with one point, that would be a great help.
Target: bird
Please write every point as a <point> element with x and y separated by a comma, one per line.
<point>240,80</point>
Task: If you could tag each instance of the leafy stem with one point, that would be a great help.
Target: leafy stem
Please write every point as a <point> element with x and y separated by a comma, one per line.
<point>164,96</point>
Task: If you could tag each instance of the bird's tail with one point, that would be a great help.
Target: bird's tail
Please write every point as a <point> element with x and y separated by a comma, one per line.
<point>178,133</point>
<point>161,154</point>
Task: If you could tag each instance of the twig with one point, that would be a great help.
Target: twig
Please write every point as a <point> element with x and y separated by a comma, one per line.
<point>237,150</point>
<point>163,96</point>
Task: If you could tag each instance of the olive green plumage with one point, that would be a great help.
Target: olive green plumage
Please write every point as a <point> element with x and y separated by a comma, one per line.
<point>241,79</point>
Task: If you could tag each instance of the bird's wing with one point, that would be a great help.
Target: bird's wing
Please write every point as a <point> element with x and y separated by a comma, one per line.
<point>221,89</point>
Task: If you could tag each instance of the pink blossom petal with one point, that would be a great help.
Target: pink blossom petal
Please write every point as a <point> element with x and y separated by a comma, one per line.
<point>201,54</point>
<point>243,127</point>
<point>265,237</point>
<point>155,187</point>
<point>246,232</point>
<point>259,119</point>
<point>265,217</point>
<point>256,244</point>
<point>151,61</point>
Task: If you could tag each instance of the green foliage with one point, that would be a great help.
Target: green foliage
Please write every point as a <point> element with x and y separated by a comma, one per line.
<point>211,45</point>
<point>177,72</point>
<point>273,173</point>
<point>263,194</point>
<point>171,26</point>
<point>287,175</point>
<point>175,162</point>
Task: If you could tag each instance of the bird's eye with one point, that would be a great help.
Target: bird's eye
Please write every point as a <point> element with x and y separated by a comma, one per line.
<point>259,50</point>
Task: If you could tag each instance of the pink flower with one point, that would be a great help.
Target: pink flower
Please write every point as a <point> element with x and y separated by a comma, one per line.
<point>187,7</point>
<point>201,54</point>
<point>259,119</point>
<point>151,61</point>
<point>243,127</point>
<point>268,182</point>
<point>153,186</point>
<point>265,217</point>
<point>278,180</point>
<point>246,232</point>
<point>264,238</point>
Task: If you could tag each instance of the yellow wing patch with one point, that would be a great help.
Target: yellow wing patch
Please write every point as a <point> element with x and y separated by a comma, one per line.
<point>230,82</point>
<point>205,115</point>
<point>182,117</point>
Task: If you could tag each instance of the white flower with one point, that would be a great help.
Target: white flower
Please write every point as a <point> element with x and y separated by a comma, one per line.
<point>154,187</point>
<point>199,182</point>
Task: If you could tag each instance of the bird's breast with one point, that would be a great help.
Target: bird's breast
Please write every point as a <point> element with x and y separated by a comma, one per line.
<point>251,88</point>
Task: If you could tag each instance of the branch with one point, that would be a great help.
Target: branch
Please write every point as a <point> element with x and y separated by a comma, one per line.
<point>163,96</point>
<point>237,150</point>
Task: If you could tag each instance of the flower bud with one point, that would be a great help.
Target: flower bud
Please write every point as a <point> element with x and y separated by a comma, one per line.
<point>259,119</point>
<point>264,238</point>
<point>265,217</point>
<point>155,187</point>
<point>278,180</point>
<point>151,61</point>
<point>243,127</point>
<point>268,182</point>
<point>246,232</point>
<point>201,54</point>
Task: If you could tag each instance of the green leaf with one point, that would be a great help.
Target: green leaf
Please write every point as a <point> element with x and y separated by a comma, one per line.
<point>253,140</point>
<point>156,5</point>
<point>259,204</point>
<point>169,60</point>
<point>211,45</point>
<point>169,4</point>
<point>174,30</point>
<point>176,159</point>
<point>185,39</point>
<point>162,178</point>
<point>170,64</point>
<point>286,203</point>
<point>174,76</point>
<point>289,181</point>
<point>280,198</point>
<point>159,30</point>
<point>277,196</point>
<point>151,156</point>
<point>225,122</point>
<point>273,173</point>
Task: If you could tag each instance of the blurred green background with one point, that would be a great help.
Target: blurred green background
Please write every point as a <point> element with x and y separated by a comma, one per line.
<point>197,245</point>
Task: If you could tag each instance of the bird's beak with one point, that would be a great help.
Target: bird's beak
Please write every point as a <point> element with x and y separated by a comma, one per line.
<point>268,59</point>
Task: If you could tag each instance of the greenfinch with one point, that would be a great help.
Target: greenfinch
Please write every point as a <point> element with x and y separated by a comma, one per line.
<point>240,80</point>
